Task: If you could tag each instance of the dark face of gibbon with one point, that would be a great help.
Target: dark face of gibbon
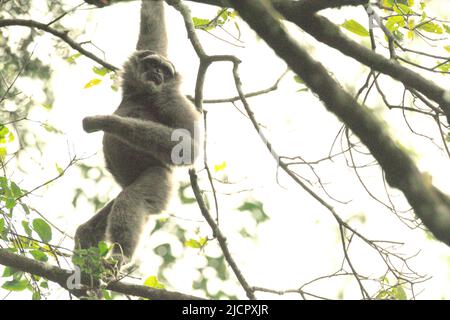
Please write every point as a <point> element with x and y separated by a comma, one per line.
<point>147,72</point>
<point>156,68</point>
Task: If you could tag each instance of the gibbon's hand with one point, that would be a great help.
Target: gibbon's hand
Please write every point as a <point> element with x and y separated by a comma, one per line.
<point>95,123</point>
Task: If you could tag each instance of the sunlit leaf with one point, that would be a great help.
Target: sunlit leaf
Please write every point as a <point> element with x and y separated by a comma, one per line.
<point>398,293</point>
<point>92,83</point>
<point>203,24</point>
<point>355,27</point>
<point>402,9</point>
<point>58,168</point>
<point>220,167</point>
<point>192,243</point>
<point>101,71</point>
<point>73,57</point>
<point>153,282</point>
<point>395,22</point>
<point>431,27</point>
<point>447,28</point>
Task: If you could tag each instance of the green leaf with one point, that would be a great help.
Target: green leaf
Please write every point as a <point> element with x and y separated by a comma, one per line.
<point>256,209</point>
<point>8,272</point>
<point>16,191</point>
<point>4,131</point>
<point>203,24</point>
<point>398,293</point>
<point>153,282</point>
<point>36,295</point>
<point>10,202</point>
<point>73,57</point>
<point>15,285</point>
<point>431,27</point>
<point>26,227</point>
<point>298,79</point>
<point>106,295</point>
<point>42,229</point>
<point>244,233</point>
<point>395,22</point>
<point>25,208</point>
<point>59,169</point>
<point>92,83</point>
<point>447,28</point>
<point>165,252</point>
<point>39,255</point>
<point>220,167</point>
<point>383,294</point>
<point>101,71</point>
<point>47,106</point>
<point>444,67</point>
<point>192,243</point>
<point>2,225</point>
<point>183,197</point>
<point>402,9</point>
<point>103,248</point>
<point>355,27</point>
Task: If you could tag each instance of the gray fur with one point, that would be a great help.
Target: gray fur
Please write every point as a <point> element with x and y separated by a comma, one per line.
<point>152,34</point>
<point>138,144</point>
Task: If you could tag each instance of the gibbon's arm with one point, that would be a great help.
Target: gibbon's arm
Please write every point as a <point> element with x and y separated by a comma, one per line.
<point>164,143</point>
<point>152,34</point>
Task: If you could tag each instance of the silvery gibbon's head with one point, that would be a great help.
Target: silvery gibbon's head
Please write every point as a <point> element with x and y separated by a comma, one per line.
<point>147,73</point>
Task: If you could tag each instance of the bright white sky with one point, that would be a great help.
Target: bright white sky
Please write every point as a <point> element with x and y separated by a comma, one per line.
<point>300,241</point>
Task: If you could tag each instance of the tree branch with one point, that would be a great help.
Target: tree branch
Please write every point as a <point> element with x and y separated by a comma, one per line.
<point>301,13</point>
<point>60,277</point>
<point>62,35</point>
<point>323,30</point>
<point>430,204</point>
<point>218,234</point>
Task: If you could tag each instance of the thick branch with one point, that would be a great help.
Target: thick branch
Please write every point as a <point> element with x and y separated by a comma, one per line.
<point>431,205</point>
<point>62,35</point>
<point>300,13</point>
<point>305,5</point>
<point>326,32</point>
<point>60,276</point>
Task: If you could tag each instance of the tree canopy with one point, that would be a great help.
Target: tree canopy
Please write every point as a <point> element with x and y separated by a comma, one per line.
<point>325,170</point>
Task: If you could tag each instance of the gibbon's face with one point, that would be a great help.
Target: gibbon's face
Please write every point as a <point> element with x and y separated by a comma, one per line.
<point>156,68</point>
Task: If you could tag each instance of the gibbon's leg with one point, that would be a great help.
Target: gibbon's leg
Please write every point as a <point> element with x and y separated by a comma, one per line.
<point>90,233</point>
<point>147,195</point>
<point>147,136</point>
